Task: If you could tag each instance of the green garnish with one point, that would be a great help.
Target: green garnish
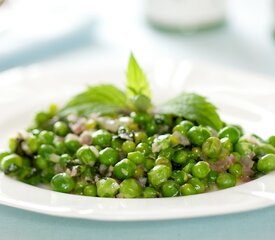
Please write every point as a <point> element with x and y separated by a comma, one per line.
<point>192,107</point>
<point>108,142</point>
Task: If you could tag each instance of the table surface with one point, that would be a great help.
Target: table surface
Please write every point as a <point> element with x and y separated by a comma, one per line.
<point>112,39</point>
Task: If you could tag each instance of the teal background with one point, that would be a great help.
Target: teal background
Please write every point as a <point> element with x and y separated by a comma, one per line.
<point>22,225</point>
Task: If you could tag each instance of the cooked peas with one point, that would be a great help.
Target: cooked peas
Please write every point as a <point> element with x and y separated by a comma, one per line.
<point>231,132</point>
<point>90,190</point>
<point>159,174</point>
<point>61,128</point>
<point>197,135</point>
<point>108,156</point>
<point>107,187</point>
<point>150,192</point>
<point>130,188</point>
<point>170,189</point>
<point>225,180</point>
<point>86,155</point>
<point>62,182</point>
<point>102,138</point>
<point>266,163</point>
<point>128,146</point>
<point>11,163</point>
<point>187,189</point>
<point>201,169</point>
<point>136,155</point>
<point>212,147</point>
<point>124,169</point>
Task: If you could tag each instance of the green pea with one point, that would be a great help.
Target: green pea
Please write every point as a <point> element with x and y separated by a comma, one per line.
<point>201,169</point>
<point>159,174</point>
<point>198,135</point>
<point>117,143</point>
<point>163,161</point>
<point>141,117</point>
<point>32,143</point>
<point>62,182</point>
<point>149,163</point>
<point>212,147</point>
<point>264,149</point>
<point>225,180</point>
<point>150,192</point>
<point>179,176</point>
<point>196,152</point>
<point>102,138</point>
<point>45,151</point>
<point>186,124</point>
<point>124,169</point>
<point>61,128</point>
<point>3,154</point>
<point>108,156</point>
<point>231,132</point>
<point>266,163</point>
<point>107,187</point>
<point>167,153</point>
<point>144,148</point>
<point>136,157</point>
<point>130,188</point>
<point>140,137</point>
<point>197,184</point>
<point>40,162</point>
<point>79,187</point>
<point>181,129</point>
<point>188,167</point>
<point>139,172</point>
<point>180,157</point>
<point>64,159</point>
<point>13,144</point>
<point>271,140</point>
<point>72,145</point>
<point>128,146</point>
<point>90,190</point>
<point>46,137</point>
<point>212,176</point>
<point>187,189</point>
<point>170,189</point>
<point>151,128</point>
<point>86,155</point>
<point>41,118</point>
<point>244,148</point>
<point>11,163</point>
<point>236,169</point>
<point>60,146</point>
<point>226,143</point>
<point>237,156</point>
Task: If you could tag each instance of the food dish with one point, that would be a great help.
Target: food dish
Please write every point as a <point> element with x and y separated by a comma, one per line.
<point>165,209</point>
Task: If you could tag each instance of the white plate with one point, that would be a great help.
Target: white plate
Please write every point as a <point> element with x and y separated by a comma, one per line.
<point>243,98</point>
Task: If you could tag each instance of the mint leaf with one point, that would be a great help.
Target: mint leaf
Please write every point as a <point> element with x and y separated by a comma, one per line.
<point>193,107</point>
<point>137,83</point>
<point>103,98</point>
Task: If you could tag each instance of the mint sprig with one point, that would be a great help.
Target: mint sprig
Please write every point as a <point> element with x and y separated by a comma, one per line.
<point>192,107</point>
<point>106,98</point>
<point>137,83</point>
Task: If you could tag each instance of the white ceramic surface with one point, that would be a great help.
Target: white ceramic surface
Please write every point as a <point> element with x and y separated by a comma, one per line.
<point>242,98</point>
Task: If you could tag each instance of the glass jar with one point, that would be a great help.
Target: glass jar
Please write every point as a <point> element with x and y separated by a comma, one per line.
<point>185,15</point>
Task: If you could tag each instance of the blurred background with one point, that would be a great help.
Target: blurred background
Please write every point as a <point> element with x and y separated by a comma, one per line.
<point>234,33</point>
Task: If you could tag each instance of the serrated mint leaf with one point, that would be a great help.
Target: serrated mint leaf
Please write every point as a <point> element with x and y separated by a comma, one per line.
<point>137,83</point>
<point>192,107</point>
<point>103,98</point>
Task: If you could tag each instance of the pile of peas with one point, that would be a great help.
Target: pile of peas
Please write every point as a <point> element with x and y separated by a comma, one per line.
<point>137,155</point>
